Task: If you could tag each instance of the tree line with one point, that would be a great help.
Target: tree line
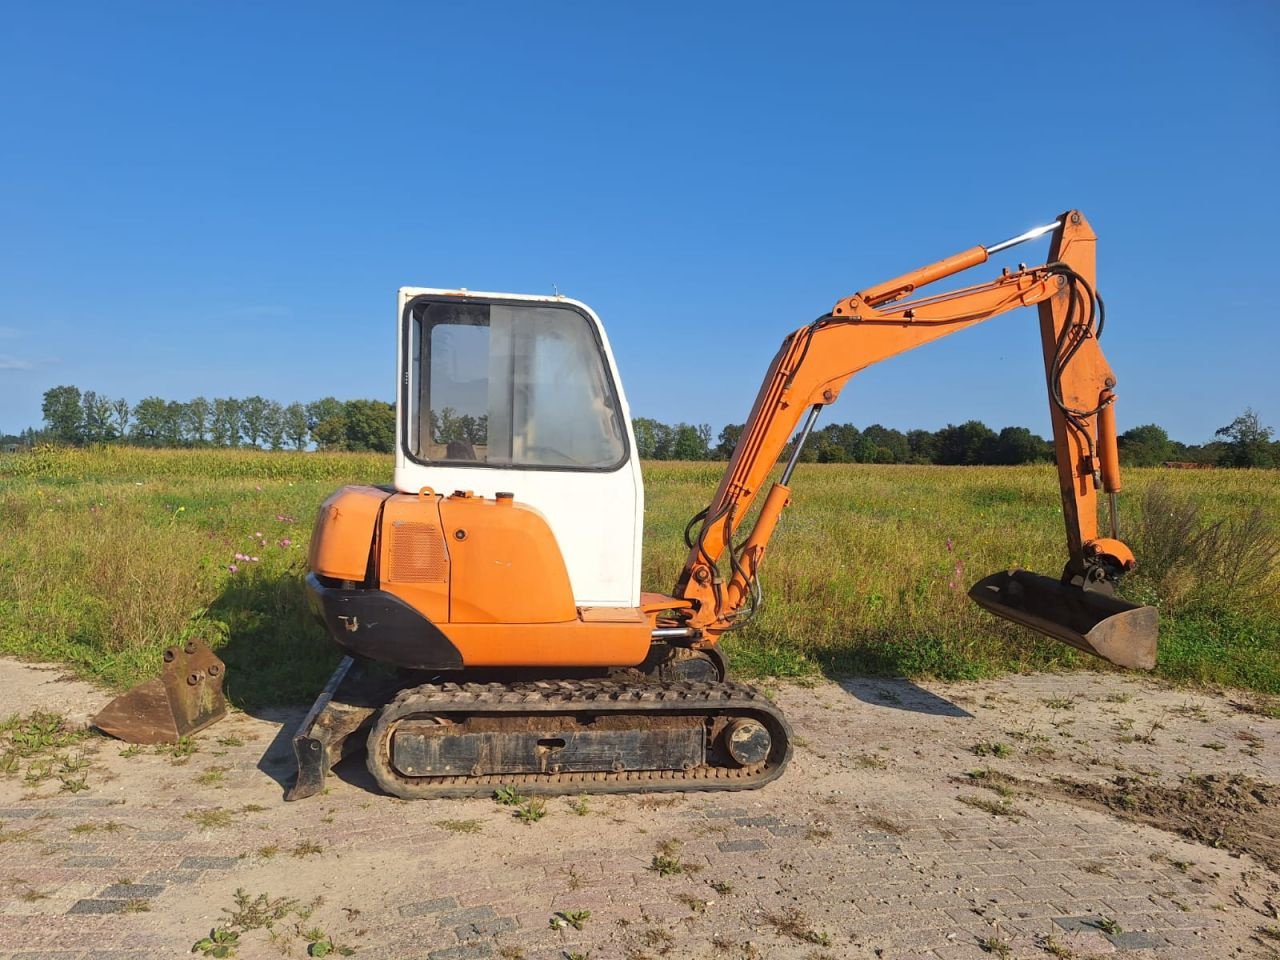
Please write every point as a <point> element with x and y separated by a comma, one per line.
<point>1244,442</point>
<point>79,419</point>
<point>82,418</point>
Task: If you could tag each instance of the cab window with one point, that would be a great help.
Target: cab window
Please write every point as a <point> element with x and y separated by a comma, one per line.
<point>510,384</point>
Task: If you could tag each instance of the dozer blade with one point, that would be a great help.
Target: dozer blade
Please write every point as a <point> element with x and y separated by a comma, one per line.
<point>187,697</point>
<point>345,707</point>
<point>1120,632</point>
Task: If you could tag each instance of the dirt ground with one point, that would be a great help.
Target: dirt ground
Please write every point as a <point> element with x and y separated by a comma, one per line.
<point>1045,816</point>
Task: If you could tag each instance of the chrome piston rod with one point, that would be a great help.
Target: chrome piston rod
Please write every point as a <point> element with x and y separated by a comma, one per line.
<point>1031,234</point>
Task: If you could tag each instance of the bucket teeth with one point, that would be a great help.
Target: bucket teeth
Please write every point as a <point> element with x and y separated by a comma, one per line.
<point>185,698</point>
<point>1106,626</point>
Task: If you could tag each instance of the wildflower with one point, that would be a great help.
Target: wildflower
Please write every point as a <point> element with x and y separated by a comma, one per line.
<point>241,556</point>
<point>258,535</point>
<point>232,568</point>
<point>286,543</point>
<point>253,559</point>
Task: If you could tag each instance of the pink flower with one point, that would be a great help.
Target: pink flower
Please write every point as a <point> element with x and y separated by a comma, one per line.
<point>232,568</point>
<point>286,543</point>
<point>284,518</point>
<point>258,535</point>
<point>241,556</point>
<point>253,559</point>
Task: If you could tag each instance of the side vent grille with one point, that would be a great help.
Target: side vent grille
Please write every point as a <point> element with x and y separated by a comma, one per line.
<point>418,554</point>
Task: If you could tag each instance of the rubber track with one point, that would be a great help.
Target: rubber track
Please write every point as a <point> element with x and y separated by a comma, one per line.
<point>592,697</point>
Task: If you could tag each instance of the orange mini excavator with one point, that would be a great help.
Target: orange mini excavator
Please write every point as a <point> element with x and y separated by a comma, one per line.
<point>489,601</point>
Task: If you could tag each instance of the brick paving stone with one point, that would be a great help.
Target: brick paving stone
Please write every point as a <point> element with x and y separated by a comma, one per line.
<point>131,891</point>
<point>99,906</point>
<point>467,916</point>
<point>1135,940</point>
<point>767,821</point>
<point>466,951</point>
<point>789,830</point>
<point>485,928</point>
<point>741,846</point>
<point>91,862</point>
<point>208,863</point>
<point>171,876</point>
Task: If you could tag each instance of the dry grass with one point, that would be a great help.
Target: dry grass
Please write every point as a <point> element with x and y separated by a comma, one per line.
<point>113,554</point>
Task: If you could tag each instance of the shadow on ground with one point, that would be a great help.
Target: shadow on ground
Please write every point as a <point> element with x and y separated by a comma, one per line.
<point>902,695</point>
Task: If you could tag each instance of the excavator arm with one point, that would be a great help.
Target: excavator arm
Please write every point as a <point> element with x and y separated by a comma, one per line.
<point>719,578</point>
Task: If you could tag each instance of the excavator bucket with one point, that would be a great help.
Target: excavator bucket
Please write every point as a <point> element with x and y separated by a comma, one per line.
<point>185,698</point>
<point>1120,632</point>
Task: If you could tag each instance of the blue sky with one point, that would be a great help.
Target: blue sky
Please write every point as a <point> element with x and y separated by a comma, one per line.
<point>222,199</point>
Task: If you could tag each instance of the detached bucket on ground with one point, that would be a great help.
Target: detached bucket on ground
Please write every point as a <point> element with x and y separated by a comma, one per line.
<point>185,698</point>
<point>1116,630</point>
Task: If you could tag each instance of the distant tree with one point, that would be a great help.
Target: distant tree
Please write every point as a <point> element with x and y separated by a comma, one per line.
<point>150,417</point>
<point>1146,446</point>
<point>63,415</point>
<point>253,419</point>
<point>195,421</point>
<point>120,410</point>
<point>273,425</point>
<point>827,450</point>
<point>646,439</point>
<point>171,434</point>
<point>886,439</point>
<point>690,442</point>
<point>922,446</point>
<point>330,433</point>
<point>323,409</point>
<point>728,440</point>
<point>296,427</point>
<point>1248,442</point>
<point>370,425</point>
<point>1017,445</point>
<point>965,444</point>
<point>224,423</point>
<point>96,422</point>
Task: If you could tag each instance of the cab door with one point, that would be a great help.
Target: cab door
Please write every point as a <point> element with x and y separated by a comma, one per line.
<point>520,394</point>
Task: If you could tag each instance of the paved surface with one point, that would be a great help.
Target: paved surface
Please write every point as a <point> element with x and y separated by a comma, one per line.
<point>869,846</point>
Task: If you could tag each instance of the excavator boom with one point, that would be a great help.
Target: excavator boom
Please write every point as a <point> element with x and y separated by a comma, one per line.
<point>816,361</point>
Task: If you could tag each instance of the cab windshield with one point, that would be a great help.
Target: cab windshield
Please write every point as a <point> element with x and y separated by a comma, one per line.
<point>509,384</point>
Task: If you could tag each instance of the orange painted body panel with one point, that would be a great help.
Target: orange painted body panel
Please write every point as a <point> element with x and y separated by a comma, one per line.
<point>505,564</point>
<point>572,644</point>
<point>344,531</point>
<point>413,556</point>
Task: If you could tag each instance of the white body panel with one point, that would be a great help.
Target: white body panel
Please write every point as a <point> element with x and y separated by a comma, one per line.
<point>597,517</point>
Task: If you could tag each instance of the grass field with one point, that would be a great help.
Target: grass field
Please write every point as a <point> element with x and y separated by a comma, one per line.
<point>110,555</point>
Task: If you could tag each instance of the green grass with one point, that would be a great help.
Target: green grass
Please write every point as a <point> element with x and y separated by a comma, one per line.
<point>111,555</point>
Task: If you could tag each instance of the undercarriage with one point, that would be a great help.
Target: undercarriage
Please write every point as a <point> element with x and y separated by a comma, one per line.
<point>630,731</point>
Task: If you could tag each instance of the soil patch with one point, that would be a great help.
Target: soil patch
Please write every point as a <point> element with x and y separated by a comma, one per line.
<point>1233,813</point>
